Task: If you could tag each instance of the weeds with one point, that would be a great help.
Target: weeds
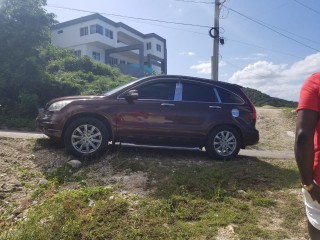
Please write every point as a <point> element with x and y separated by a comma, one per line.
<point>188,203</point>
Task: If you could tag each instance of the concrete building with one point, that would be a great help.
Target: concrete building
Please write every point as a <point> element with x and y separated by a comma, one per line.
<point>117,44</point>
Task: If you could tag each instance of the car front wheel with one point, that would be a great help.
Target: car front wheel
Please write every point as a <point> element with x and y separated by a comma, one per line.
<point>86,137</point>
<point>223,143</point>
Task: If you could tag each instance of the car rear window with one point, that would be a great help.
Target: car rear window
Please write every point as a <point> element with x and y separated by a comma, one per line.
<point>227,96</point>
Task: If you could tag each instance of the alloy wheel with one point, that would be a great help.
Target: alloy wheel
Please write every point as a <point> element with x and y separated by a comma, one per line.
<point>86,138</point>
<point>224,143</point>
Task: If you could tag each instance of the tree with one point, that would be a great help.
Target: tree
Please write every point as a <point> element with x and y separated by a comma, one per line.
<point>32,71</point>
<point>25,27</point>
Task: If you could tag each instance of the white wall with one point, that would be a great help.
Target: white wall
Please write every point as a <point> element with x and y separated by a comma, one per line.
<point>71,35</point>
<point>70,38</point>
<point>153,49</point>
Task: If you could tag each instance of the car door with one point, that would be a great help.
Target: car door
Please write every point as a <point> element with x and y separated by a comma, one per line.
<point>151,119</point>
<point>199,109</point>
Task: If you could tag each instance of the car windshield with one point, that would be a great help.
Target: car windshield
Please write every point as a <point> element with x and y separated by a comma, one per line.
<point>114,90</point>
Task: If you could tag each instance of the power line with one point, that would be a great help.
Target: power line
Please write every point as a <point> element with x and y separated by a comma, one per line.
<point>194,1</point>
<point>284,30</point>
<point>137,18</point>
<point>269,49</point>
<point>264,25</point>
<point>311,9</point>
<point>180,29</point>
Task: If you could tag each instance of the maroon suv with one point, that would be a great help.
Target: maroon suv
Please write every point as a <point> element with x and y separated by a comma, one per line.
<point>158,110</point>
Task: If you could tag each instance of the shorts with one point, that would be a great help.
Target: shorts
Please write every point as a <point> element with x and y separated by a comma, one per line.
<point>312,209</point>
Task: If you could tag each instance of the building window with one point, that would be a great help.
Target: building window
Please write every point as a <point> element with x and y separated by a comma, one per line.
<point>122,62</point>
<point>158,47</point>
<point>148,45</point>
<point>77,53</point>
<point>96,29</point>
<point>113,61</point>
<point>83,31</point>
<point>96,56</point>
<point>108,33</point>
<point>60,31</point>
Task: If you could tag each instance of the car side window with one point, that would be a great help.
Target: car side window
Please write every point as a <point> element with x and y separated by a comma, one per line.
<point>228,96</point>
<point>198,93</point>
<point>160,91</point>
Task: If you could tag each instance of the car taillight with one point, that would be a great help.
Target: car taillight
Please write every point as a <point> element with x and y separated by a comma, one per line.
<point>254,111</point>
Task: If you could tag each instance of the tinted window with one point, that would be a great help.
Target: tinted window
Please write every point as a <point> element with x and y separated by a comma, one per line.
<point>162,91</point>
<point>198,93</point>
<point>229,97</point>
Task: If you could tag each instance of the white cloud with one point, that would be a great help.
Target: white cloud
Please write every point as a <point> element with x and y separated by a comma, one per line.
<point>255,56</point>
<point>205,66</point>
<point>261,55</point>
<point>176,10</point>
<point>202,67</point>
<point>280,80</point>
<point>187,53</point>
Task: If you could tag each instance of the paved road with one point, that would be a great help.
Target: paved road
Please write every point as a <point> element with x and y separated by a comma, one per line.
<point>16,134</point>
<point>243,152</point>
<point>267,153</point>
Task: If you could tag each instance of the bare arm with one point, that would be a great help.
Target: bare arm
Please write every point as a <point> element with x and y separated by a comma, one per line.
<point>304,147</point>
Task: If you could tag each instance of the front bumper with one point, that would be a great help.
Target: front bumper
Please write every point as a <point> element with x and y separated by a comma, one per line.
<point>48,125</point>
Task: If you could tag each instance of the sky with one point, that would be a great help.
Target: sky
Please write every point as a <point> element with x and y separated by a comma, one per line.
<point>269,45</point>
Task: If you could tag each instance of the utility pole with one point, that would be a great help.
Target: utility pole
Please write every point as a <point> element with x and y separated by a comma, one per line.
<point>216,39</point>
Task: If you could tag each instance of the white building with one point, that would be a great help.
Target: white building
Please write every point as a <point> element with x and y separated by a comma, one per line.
<point>113,43</point>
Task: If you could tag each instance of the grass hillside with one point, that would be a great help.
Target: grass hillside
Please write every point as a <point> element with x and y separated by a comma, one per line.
<point>261,99</point>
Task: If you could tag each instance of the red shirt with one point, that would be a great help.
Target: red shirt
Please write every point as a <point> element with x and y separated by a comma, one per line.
<point>310,99</point>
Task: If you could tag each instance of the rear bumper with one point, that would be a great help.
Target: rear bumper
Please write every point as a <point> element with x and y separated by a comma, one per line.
<point>251,137</point>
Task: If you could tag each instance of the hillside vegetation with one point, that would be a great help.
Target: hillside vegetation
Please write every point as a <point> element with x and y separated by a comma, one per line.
<point>260,99</point>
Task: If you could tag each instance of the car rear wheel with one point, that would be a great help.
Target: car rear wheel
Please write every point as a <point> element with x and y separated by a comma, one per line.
<point>86,137</point>
<point>223,143</point>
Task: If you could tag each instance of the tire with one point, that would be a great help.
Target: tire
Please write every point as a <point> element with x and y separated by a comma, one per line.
<point>223,143</point>
<point>86,137</point>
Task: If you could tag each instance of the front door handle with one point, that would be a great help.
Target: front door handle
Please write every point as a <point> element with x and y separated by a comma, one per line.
<point>215,107</point>
<point>167,104</point>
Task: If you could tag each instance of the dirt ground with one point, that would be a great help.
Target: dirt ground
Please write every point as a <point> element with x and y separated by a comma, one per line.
<point>276,129</point>
<point>22,163</point>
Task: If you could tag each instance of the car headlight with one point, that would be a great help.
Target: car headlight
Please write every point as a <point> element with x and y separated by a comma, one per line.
<point>57,106</point>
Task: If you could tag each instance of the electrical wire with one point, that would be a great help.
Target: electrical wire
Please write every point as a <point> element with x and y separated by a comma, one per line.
<point>269,49</point>
<point>294,34</point>
<point>129,17</point>
<point>311,9</point>
<point>153,24</point>
<point>180,29</point>
<point>189,1</point>
<point>271,29</point>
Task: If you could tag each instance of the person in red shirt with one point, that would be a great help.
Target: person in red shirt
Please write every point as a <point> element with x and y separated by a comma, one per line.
<point>307,150</point>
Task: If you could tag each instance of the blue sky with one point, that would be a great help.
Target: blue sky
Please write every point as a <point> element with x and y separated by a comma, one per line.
<point>270,45</point>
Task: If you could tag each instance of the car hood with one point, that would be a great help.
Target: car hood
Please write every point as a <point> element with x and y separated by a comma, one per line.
<point>74,98</point>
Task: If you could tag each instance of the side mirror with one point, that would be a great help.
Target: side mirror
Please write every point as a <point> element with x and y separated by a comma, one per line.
<point>132,95</point>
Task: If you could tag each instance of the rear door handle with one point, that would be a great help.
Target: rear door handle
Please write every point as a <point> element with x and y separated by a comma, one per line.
<point>167,104</point>
<point>215,107</point>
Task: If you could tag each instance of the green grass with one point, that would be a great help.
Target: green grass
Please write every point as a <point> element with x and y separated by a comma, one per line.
<point>188,201</point>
